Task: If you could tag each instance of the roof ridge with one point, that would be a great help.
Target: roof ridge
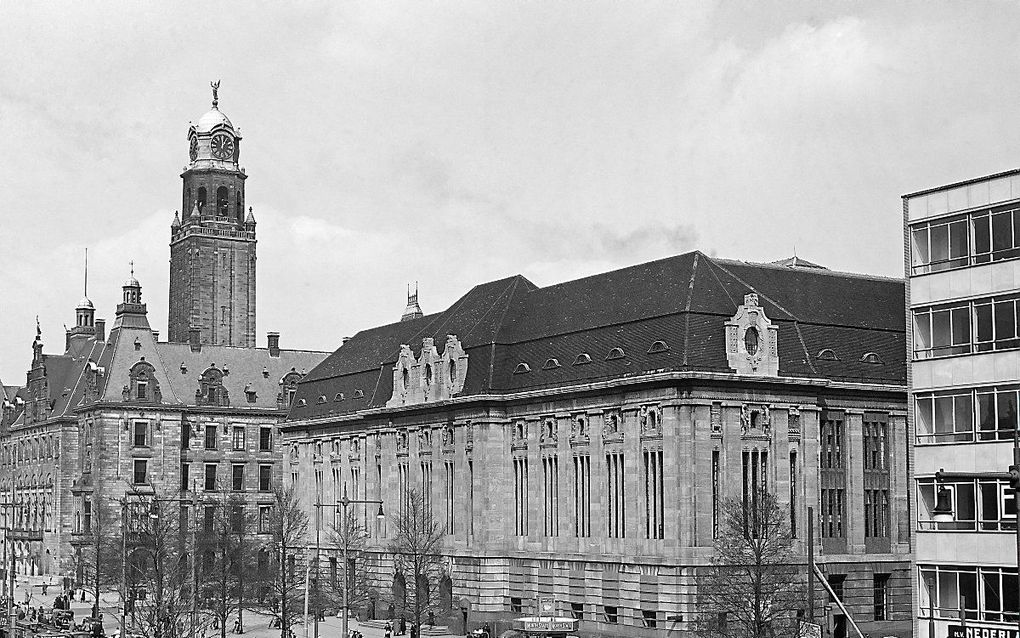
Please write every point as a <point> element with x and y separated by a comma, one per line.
<point>687,306</point>
<point>507,293</point>
<point>823,270</point>
<point>750,287</point>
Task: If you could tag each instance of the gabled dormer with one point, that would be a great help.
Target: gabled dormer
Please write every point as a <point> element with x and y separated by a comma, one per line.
<point>143,386</point>
<point>210,388</point>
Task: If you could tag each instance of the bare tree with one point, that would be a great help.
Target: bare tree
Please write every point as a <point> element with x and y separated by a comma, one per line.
<point>226,525</point>
<point>351,532</point>
<point>282,550</point>
<point>418,554</point>
<point>754,588</point>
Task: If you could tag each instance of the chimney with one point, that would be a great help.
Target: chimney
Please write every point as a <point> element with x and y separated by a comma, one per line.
<point>67,340</point>
<point>100,329</point>
<point>344,341</point>
<point>273,340</point>
<point>155,335</point>
<point>195,338</point>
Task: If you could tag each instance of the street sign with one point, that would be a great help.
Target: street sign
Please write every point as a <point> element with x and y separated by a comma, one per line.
<point>970,631</point>
<point>809,630</point>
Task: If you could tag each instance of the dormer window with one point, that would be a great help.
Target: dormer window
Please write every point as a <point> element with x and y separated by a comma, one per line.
<point>615,353</point>
<point>288,388</point>
<point>249,393</point>
<point>826,354</point>
<point>358,394</point>
<point>522,368</point>
<point>582,359</point>
<point>210,388</point>
<point>322,399</point>
<point>551,364</point>
<point>872,357</point>
<point>658,346</point>
<point>302,403</point>
<point>339,397</point>
<point>141,389</point>
<point>143,385</point>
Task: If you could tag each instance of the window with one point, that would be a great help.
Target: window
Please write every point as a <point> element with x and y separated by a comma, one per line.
<point>715,493</point>
<point>237,518</point>
<point>648,618</point>
<point>265,478</point>
<point>996,235</point>
<point>141,471</point>
<point>141,387</point>
<point>577,611</point>
<point>141,433</point>
<point>610,614</point>
<point>984,505</point>
<point>582,496</point>
<point>265,516</point>
<point>794,480</point>
<point>88,517</point>
<point>941,330</point>
<point>210,476</point>
<point>964,415</point>
<point>654,519</point>
<point>516,606</point>
<point>221,201</point>
<point>265,439</point>
<point>185,434</point>
<point>551,495</point>
<point>210,437</point>
<point>238,438</point>
<point>237,478</point>
<point>185,476</point>
<point>877,478</point>
<point>836,582</point>
<point>426,485</point>
<point>996,324</point>
<point>449,496</point>
<point>832,495</point>
<point>939,245</point>
<point>520,496</point>
<point>615,520</point>
<point>881,594</point>
<point>986,594</point>
<point>209,518</point>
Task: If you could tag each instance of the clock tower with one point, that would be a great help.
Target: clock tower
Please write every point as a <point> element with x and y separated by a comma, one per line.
<point>212,244</point>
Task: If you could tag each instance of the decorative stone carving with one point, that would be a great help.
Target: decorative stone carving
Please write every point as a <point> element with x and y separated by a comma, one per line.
<point>755,421</point>
<point>752,342</point>
<point>519,434</point>
<point>612,426</point>
<point>469,436</point>
<point>447,436</point>
<point>651,424</point>
<point>548,435</point>
<point>425,440</point>
<point>579,429</point>
<point>430,377</point>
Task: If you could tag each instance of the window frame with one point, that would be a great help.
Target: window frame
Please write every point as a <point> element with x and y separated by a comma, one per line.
<point>207,476</point>
<point>135,424</point>
<point>211,435</point>
<point>234,439</point>
<point>144,465</point>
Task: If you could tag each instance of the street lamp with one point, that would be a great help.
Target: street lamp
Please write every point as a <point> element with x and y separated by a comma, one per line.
<point>343,502</point>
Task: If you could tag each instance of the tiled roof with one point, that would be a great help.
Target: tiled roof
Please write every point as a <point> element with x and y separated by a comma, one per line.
<point>682,301</point>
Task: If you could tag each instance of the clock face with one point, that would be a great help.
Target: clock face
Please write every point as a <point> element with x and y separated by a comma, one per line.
<point>194,148</point>
<point>222,147</point>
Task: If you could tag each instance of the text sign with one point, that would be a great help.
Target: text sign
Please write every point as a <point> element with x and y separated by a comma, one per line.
<point>959,631</point>
<point>548,625</point>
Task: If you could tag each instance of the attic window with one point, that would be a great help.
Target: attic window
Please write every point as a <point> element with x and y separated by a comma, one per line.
<point>872,357</point>
<point>339,396</point>
<point>322,399</point>
<point>184,368</point>
<point>826,354</point>
<point>358,394</point>
<point>582,359</point>
<point>302,403</point>
<point>249,393</point>
<point>615,353</point>
<point>138,344</point>
<point>522,368</point>
<point>658,346</point>
<point>551,364</point>
<point>265,372</point>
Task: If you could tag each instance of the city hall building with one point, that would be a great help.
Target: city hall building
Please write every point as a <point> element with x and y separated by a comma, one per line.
<point>117,413</point>
<point>963,245</point>
<point>579,440</point>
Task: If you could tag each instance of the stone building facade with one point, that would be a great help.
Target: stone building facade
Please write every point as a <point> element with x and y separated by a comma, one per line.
<point>193,418</point>
<point>579,440</point>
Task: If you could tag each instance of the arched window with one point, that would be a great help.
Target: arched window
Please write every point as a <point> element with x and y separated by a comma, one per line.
<point>201,198</point>
<point>453,372</point>
<point>405,378</point>
<point>428,374</point>
<point>221,201</point>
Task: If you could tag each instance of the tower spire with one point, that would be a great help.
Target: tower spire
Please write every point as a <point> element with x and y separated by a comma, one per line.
<point>86,271</point>
<point>215,94</point>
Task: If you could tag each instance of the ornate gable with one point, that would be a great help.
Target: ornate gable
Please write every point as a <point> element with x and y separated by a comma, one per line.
<point>142,384</point>
<point>430,377</point>
<point>752,342</point>
<point>211,390</point>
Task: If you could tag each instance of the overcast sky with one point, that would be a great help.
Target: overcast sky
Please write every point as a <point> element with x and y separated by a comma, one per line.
<point>458,142</point>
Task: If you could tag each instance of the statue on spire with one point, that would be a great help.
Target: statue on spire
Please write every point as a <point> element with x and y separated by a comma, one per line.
<point>215,93</point>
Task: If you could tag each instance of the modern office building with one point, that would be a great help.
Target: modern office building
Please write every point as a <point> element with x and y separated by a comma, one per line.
<point>962,250</point>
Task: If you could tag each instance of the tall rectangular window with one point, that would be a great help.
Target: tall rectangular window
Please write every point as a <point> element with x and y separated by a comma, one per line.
<point>402,485</point>
<point>88,517</point>
<point>265,439</point>
<point>520,495</point>
<point>616,520</point>
<point>238,437</point>
<point>185,434</point>
<point>582,495</point>
<point>471,496</point>
<point>265,518</point>
<point>209,518</point>
<point>794,480</point>
<point>449,496</point>
<point>881,594</point>
<point>141,432</point>
<point>265,478</point>
<point>210,437</point>
<point>876,474</point>
<point>654,519</point>
<point>185,477</point>
<point>210,477</point>
<point>426,485</point>
<point>833,475</point>
<point>318,498</point>
<point>237,477</point>
<point>715,493</point>
<point>141,474</point>
<point>551,489</point>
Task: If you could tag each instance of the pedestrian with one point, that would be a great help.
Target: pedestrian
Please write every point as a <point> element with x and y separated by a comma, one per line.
<point>432,618</point>
<point>388,630</point>
<point>83,594</point>
<point>44,589</point>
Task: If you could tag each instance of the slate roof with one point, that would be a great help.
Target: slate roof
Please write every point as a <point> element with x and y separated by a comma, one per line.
<point>682,300</point>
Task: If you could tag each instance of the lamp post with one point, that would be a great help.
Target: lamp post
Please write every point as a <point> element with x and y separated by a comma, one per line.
<point>344,502</point>
<point>943,512</point>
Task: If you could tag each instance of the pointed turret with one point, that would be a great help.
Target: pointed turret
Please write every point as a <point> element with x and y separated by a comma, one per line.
<point>131,311</point>
<point>412,310</point>
<point>250,218</point>
<point>176,223</point>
